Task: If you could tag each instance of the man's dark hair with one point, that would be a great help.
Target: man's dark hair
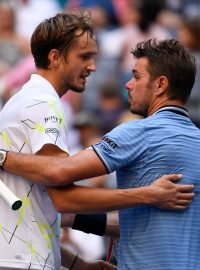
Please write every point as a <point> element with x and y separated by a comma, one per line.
<point>171,59</point>
<point>59,32</point>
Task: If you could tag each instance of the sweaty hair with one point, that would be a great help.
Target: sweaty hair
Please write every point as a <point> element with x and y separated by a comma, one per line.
<point>171,59</point>
<point>59,32</point>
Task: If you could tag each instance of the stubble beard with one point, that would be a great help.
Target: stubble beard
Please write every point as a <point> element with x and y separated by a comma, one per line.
<point>77,89</point>
<point>138,112</point>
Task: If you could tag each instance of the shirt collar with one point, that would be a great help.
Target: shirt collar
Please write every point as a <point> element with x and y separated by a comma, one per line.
<point>175,109</point>
<point>44,84</point>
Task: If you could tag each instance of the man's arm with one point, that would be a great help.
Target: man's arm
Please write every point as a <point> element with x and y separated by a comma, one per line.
<point>52,171</point>
<point>162,193</point>
<point>58,169</point>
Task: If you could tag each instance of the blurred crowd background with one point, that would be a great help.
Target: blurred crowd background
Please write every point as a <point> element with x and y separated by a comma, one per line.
<point>120,25</point>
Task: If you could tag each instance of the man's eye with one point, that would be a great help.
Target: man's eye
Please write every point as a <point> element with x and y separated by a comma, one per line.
<point>86,57</point>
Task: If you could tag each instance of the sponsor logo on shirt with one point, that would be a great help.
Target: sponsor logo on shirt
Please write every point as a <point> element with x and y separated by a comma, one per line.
<point>53,119</point>
<point>52,130</point>
<point>106,149</point>
<point>109,142</point>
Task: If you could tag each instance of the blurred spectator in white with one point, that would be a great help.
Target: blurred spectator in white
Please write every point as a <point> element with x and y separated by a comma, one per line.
<point>31,12</point>
<point>189,35</point>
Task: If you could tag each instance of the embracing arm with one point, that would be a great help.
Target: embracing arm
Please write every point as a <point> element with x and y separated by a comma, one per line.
<point>48,170</point>
<point>162,193</point>
<point>58,169</point>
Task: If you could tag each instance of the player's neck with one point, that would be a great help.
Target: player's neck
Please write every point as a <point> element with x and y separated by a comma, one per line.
<point>157,105</point>
<point>52,79</point>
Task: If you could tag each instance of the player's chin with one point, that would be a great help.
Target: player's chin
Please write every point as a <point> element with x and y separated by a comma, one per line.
<point>79,89</point>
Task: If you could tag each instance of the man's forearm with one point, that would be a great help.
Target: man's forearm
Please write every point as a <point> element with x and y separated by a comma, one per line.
<point>162,193</point>
<point>83,199</point>
<point>39,169</point>
<point>55,170</point>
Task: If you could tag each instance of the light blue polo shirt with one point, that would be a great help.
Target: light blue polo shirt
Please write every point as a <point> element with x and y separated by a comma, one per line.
<point>141,151</point>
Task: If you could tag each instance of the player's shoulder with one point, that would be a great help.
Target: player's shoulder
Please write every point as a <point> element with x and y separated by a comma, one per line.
<point>128,130</point>
<point>133,124</point>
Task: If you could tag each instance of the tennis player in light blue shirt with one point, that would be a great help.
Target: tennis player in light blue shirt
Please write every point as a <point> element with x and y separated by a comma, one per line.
<point>141,151</point>
<point>165,142</point>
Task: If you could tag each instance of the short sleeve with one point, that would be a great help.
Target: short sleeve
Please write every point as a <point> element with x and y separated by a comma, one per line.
<point>122,146</point>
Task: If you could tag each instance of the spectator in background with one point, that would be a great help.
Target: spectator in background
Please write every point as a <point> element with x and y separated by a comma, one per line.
<point>13,46</point>
<point>16,27</point>
<point>31,12</point>
<point>111,105</point>
<point>189,34</point>
<point>12,80</point>
<point>137,22</point>
<point>88,126</point>
<point>106,5</point>
<point>145,28</point>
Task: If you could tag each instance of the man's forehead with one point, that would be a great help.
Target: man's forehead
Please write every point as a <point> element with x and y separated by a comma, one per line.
<point>141,64</point>
<point>85,34</point>
<point>86,41</point>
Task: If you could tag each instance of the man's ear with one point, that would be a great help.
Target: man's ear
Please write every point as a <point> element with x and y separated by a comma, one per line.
<point>54,58</point>
<point>161,85</point>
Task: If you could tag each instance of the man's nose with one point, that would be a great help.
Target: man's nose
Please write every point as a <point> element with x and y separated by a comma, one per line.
<point>129,84</point>
<point>92,66</point>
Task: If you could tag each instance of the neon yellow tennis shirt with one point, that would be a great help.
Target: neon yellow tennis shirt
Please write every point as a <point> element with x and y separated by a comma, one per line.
<point>30,237</point>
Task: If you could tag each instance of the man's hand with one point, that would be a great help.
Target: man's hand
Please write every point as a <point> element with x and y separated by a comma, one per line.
<point>97,265</point>
<point>168,195</point>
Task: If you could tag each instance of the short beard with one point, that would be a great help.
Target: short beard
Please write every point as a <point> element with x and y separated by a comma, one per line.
<point>143,114</point>
<point>77,89</point>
